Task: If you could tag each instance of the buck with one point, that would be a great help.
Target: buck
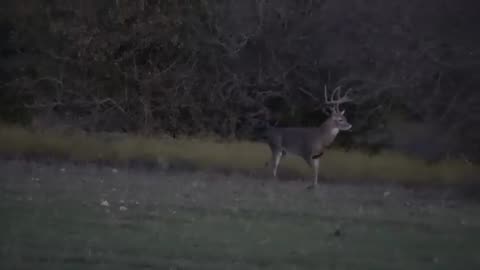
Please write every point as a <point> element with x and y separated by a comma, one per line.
<point>309,142</point>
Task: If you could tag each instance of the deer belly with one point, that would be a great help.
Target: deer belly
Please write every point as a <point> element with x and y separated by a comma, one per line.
<point>300,148</point>
<point>293,148</point>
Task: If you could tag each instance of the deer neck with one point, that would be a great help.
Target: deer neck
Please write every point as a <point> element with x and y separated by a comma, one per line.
<point>329,131</point>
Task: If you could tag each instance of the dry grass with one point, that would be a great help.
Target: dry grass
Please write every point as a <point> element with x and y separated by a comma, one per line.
<point>206,153</point>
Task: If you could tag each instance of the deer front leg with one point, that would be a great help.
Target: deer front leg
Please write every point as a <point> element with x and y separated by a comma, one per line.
<point>315,164</point>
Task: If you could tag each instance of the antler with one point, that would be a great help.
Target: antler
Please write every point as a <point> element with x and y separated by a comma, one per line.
<point>335,103</point>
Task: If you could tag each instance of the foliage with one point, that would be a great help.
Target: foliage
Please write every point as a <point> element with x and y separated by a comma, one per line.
<point>190,67</point>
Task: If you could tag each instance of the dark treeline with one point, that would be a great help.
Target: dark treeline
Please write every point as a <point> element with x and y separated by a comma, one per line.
<point>193,66</point>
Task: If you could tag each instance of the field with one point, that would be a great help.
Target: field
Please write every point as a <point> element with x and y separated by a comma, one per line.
<point>66,215</point>
<point>210,153</point>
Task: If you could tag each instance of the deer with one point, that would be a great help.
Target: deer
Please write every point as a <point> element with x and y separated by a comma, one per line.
<point>309,143</point>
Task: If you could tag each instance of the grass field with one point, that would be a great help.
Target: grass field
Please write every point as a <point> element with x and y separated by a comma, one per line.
<point>66,216</point>
<point>213,154</point>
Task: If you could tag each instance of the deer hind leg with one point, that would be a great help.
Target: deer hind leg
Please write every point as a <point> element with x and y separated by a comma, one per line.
<point>276,157</point>
<point>277,154</point>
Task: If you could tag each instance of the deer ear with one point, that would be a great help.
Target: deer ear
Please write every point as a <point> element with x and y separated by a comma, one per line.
<point>342,112</point>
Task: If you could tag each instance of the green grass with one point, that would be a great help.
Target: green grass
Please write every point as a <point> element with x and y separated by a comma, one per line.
<point>188,221</point>
<point>206,153</point>
<point>74,237</point>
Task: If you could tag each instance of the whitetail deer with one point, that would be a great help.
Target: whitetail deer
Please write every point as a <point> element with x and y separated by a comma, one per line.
<point>309,143</point>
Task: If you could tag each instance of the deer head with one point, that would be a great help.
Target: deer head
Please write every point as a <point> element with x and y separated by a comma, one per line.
<point>337,117</point>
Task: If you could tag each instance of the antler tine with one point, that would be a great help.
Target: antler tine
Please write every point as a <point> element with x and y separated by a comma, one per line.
<point>344,98</point>
<point>347,93</point>
<point>332,97</point>
<point>335,92</point>
<point>337,99</point>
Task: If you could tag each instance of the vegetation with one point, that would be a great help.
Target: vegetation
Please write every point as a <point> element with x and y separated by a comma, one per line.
<point>225,67</point>
<point>211,153</point>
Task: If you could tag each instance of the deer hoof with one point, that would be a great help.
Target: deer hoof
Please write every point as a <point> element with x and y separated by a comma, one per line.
<point>311,187</point>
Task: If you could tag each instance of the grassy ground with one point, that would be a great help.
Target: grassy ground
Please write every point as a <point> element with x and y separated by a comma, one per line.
<point>64,216</point>
<point>207,153</point>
